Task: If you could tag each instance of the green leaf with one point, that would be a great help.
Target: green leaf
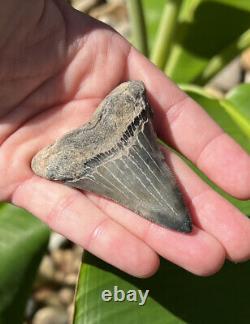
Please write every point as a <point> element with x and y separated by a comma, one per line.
<point>205,29</point>
<point>238,118</point>
<point>240,98</point>
<point>175,296</point>
<point>226,114</point>
<point>219,60</point>
<point>23,240</point>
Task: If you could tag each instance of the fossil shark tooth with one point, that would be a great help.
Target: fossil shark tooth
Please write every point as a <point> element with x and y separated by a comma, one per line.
<point>116,155</point>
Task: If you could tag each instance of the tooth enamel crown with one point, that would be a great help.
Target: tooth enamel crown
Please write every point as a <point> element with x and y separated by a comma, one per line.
<point>116,155</point>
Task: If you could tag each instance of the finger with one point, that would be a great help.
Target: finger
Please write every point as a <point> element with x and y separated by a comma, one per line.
<point>41,130</point>
<point>185,250</point>
<point>70,213</point>
<point>213,213</point>
<point>182,123</point>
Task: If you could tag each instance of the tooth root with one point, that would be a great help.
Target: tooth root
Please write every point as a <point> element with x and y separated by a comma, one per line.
<point>132,174</point>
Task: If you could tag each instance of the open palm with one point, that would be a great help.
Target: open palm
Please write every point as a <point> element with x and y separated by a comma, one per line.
<point>54,72</point>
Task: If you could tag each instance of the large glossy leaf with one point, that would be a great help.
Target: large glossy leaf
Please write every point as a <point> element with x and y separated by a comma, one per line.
<point>206,28</point>
<point>23,240</point>
<point>175,296</point>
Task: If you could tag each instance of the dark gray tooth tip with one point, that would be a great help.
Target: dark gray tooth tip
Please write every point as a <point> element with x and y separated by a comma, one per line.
<point>186,227</point>
<point>116,155</point>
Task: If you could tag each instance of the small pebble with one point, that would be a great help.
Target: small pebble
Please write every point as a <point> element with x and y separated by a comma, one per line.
<point>54,300</point>
<point>59,277</point>
<point>245,60</point>
<point>56,241</point>
<point>71,279</point>
<point>228,78</point>
<point>66,296</point>
<point>64,260</point>
<point>50,315</point>
<point>42,294</point>
<point>47,268</point>
<point>247,77</point>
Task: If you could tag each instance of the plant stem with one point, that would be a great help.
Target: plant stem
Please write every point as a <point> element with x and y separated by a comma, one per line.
<point>218,62</point>
<point>137,20</point>
<point>165,33</point>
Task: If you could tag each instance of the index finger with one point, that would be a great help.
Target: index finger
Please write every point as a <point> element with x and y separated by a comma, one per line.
<point>182,123</point>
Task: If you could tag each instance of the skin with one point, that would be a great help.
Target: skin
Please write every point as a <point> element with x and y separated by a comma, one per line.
<point>56,65</point>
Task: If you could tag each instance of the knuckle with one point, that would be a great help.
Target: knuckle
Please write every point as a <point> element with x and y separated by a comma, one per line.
<point>59,208</point>
<point>95,233</point>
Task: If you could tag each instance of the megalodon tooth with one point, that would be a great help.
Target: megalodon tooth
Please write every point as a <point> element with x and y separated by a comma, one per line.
<point>116,155</point>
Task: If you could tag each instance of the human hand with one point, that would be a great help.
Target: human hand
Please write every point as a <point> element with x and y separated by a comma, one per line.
<point>56,66</point>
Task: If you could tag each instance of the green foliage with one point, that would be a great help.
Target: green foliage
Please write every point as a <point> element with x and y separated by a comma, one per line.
<point>206,35</point>
<point>232,113</point>
<point>205,29</point>
<point>176,296</point>
<point>23,241</point>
